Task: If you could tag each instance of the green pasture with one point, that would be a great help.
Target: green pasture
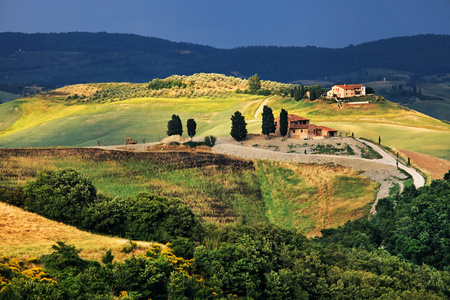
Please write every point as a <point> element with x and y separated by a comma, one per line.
<point>384,112</point>
<point>422,140</point>
<point>45,123</point>
<point>281,193</point>
<point>6,97</point>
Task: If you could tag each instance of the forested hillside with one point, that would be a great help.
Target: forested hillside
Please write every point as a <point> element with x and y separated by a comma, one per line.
<point>77,57</point>
<point>248,260</point>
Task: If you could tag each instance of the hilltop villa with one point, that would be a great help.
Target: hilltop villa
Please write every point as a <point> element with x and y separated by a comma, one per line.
<point>347,90</point>
<point>300,128</point>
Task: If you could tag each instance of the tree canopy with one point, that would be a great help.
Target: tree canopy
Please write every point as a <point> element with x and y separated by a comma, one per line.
<point>174,126</point>
<point>254,83</point>
<point>268,121</point>
<point>283,122</point>
<point>60,195</point>
<point>238,126</point>
<point>191,127</point>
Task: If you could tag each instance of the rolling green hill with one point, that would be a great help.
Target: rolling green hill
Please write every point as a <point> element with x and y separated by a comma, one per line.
<point>85,115</point>
<point>6,97</point>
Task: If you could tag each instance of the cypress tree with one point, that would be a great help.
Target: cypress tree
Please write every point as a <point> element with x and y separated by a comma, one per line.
<point>238,126</point>
<point>268,121</point>
<point>312,94</point>
<point>191,127</point>
<point>174,126</point>
<point>283,123</point>
<point>297,94</point>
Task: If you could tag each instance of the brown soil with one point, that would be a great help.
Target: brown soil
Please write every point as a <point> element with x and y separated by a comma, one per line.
<point>437,167</point>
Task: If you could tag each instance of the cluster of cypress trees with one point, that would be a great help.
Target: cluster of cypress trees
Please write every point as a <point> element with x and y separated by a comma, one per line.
<point>174,126</point>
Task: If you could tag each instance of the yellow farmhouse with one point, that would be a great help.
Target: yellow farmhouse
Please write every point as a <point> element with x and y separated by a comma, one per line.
<point>347,90</point>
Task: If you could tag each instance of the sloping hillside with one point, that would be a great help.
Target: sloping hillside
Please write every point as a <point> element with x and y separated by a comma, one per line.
<point>106,113</point>
<point>24,235</point>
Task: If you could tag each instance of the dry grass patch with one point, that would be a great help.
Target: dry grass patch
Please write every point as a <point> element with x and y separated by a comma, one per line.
<point>78,89</point>
<point>313,197</point>
<point>436,167</point>
<point>24,235</point>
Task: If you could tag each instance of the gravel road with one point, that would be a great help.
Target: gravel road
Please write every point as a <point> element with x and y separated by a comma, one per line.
<point>383,171</point>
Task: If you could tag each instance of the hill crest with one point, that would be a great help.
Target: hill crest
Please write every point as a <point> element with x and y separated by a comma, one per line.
<point>102,57</point>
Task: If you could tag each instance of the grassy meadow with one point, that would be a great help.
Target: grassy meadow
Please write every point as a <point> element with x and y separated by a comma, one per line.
<point>398,127</point>
<point>219,189</point>
<point>39,122</point>
<point>125,109</point>
<point>313,197</point>
<point>25,234</point>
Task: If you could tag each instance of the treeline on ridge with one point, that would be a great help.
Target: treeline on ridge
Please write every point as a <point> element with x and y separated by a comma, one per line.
<point>92,56</point>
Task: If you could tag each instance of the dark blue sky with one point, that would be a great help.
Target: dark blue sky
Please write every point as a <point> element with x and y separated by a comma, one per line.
<point>233,23</point>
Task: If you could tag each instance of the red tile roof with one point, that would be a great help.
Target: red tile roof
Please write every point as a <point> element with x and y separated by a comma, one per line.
<point>293,118</point>
<point>326,128</point>
<point>350,86</point>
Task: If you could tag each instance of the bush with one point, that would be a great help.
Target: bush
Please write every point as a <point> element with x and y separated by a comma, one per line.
<point>14,196</point>
<point>64,259</point>
<point>154,218</point>
<point>183,247</point>
<point>105,216</point>
<point>210,140</point>
<point>60,195</point>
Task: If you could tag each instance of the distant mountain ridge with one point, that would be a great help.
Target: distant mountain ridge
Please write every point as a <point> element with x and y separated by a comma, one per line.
<point>80,57</point>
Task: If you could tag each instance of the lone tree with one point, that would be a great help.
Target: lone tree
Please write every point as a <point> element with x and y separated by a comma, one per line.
<point>238,126</point>
<point>254,83</point>
<point>283,123</point>
<point>174,126</point>
<point>268,122</point>
<point>191,127</point>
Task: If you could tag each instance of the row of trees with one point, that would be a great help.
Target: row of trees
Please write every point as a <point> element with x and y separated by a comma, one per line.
<point>239,126</point>
<point>174,126</point>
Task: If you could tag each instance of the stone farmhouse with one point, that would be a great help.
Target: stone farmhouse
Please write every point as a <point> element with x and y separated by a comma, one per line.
<point>300,128</point>
<point>347,90</point>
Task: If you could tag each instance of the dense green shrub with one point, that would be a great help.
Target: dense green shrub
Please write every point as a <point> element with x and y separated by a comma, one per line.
<point>183,247</point>
<point>210,140</point>
<point>60,195</point>
<point>154,218</point>
<point>415,224</point>
<point>14,196</point>
<point>158,84</point>
<point>105,215</point>
<point>64,258</point>
<point>193,144</point>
